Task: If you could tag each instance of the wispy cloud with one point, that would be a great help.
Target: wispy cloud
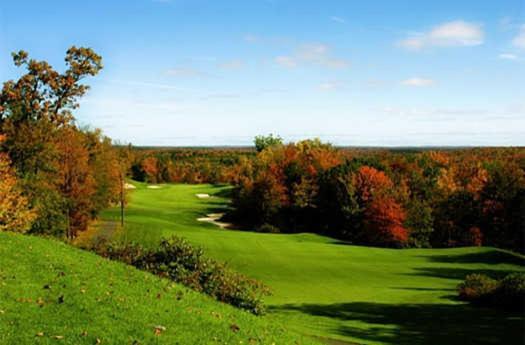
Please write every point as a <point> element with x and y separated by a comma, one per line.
<point>514,111</point>
<point>331,86</point>
<point>219,96</point>
<point>508,56</point>
<point>337,19</point>
<point>186,72</point>
<point>451,34</point>
<point>519,40</point>
<point>286,61</point>
<point>250,38</point>
<point>232,64</point>
<point>418,82</point>
<point>313,53</point>
<point>146,84</point>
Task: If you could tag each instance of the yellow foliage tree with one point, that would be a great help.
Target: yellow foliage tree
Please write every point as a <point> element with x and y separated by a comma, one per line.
<point>15,214</point>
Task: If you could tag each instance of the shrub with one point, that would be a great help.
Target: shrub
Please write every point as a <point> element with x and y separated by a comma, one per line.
<point>511,292</point>
<point>507,293</point>
<point>176,259</point>
<point>268,228</point>
<point>477,288</point>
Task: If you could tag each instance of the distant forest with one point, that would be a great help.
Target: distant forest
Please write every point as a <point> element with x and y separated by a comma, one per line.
<point>402,197</point>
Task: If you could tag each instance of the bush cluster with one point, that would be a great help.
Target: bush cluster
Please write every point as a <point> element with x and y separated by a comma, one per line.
<point>176,259</point>
<point>507,293</point>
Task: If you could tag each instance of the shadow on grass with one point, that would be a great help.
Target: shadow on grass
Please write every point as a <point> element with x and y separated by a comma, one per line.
<point>491,257</point>
<point>419,323</point>
<point>223,192</point>
<point>459,273</point>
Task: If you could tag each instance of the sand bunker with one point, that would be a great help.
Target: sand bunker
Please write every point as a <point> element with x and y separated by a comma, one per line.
<point>202,196</point>
<point>214,219</point>
<point>129,186</point>
<point>153,187</point>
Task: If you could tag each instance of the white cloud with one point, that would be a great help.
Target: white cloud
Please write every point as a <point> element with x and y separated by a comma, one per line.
<point>232,64</point>
<point>519,40</point>
<point>451,34</point>
<point>286,61</point>
<point>337,19</point>
<point>314,53</point>
<point>418,82</point>
<point>507,56</point>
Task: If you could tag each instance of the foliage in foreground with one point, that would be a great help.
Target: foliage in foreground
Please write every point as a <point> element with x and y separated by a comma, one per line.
<point>178,260</point>
<point>506,293</point>
<point>53,293</point>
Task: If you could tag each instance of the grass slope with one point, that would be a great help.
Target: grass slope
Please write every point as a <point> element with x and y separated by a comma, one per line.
<point>52,293</point>
<point>336,291</point>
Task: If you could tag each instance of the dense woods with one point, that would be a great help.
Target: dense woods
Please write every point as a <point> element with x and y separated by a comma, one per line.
<point>386,198</point>
<point>55,175</point>
<point>186,165</point>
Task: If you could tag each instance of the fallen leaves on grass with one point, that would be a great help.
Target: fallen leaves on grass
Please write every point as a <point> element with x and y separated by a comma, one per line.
<point>159,329</point>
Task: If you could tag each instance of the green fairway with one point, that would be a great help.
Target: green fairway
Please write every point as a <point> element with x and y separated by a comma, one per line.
<point>332,290</point>
<point>52,293</point>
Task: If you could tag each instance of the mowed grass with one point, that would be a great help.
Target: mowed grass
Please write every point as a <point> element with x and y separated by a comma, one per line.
<point>338,292</point>
<point>53,293</point>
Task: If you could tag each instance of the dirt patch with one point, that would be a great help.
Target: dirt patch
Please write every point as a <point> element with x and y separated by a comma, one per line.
<point>129,186</point>
<point>154,187</point>
<point>214,219</point>
<point>202,196</point>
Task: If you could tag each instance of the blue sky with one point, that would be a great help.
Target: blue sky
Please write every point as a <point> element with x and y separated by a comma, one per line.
<point>394,73</point>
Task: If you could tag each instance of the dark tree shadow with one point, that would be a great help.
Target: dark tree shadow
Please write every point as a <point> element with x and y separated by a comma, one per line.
<point>458,273</point>
<point>224,192</point>
<point>443,324</point>
<point>491,257</point>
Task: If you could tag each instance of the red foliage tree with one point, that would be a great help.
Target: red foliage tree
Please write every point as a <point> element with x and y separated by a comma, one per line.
<point>383,215</point>
<point>383,223</point>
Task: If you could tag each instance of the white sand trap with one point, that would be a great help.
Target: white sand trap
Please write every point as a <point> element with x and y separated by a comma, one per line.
<point>202,196</point>
<point>214,219</point>
<point>154,187</point>
<point>129,186</point>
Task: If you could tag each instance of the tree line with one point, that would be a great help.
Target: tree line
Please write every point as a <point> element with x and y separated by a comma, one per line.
<point>393,198</point>
<point>386,198</point>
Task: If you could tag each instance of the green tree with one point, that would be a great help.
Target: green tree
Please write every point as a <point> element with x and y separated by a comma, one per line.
<point>263,141</point>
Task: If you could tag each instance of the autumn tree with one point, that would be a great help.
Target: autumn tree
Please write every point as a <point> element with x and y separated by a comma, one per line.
<point>34,110</point>
<point>150,168</point>
<point>76,182</point>
<point>15,214</point>
<point>383,223</point>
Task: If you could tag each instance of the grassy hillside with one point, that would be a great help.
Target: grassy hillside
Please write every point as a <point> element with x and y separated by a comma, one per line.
<point>331,289</point>
<point>52,293</point>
